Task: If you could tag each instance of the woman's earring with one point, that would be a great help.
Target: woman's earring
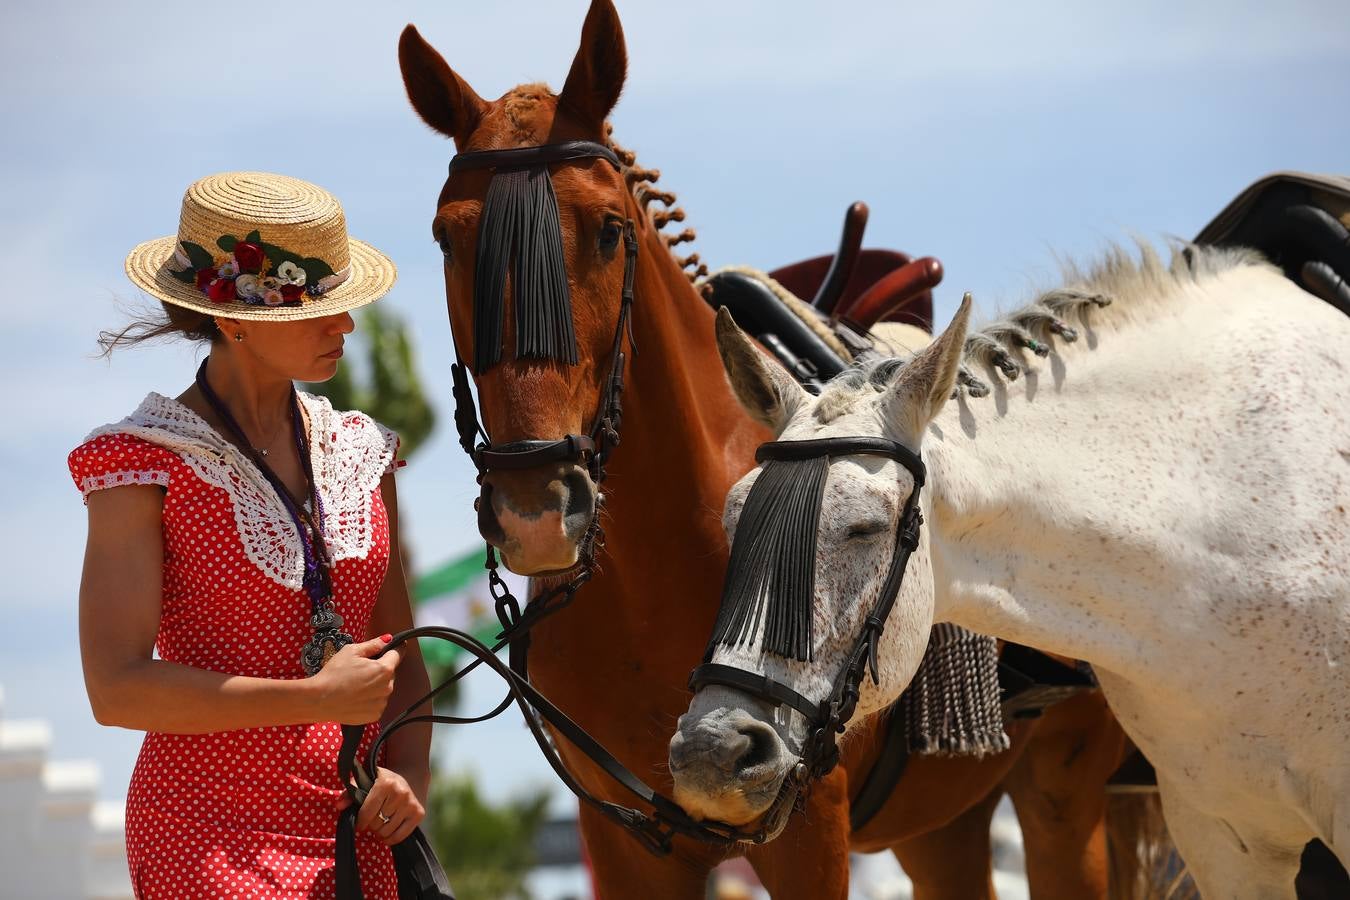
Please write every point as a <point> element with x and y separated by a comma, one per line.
<point>238,337</point>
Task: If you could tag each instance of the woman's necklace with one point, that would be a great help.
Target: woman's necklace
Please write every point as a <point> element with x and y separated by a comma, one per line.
<point>262,451</point>
<point>328,637</point>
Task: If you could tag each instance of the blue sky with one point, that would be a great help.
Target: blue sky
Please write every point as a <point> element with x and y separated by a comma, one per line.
<point>997,137</point>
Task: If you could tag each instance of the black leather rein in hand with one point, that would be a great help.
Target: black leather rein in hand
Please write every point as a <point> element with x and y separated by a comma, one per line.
<point>770,586</point>
<point>413,857</point>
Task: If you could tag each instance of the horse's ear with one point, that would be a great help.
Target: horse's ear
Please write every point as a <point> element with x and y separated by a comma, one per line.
<point>769,394</point>
<point>443,99</point>
<point>600,67</point>
<point>919,390</point>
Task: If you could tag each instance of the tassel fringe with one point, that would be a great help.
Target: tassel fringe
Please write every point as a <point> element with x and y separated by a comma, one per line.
<point>952,705</point>
<point>520,223</point>
<point>771,575</point>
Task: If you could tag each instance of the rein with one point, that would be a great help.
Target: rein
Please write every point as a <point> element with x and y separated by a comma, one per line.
<point>751,586</point>
<point>655,830</point>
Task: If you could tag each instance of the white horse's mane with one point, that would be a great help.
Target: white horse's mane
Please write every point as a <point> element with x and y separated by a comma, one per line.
<point>1117,290</point>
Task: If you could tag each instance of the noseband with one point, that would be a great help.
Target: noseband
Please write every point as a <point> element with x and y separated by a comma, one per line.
<point>770,587</point>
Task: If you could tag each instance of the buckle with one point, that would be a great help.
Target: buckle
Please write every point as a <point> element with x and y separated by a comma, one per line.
<point>909,530</point>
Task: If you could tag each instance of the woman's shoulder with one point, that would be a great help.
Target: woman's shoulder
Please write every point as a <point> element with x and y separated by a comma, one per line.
<point>120,453</point>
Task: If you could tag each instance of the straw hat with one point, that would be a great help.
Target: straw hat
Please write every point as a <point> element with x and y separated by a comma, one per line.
<point>263,247</point>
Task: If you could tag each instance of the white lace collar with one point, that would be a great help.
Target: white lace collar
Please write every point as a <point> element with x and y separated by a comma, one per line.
<point>348,458</point>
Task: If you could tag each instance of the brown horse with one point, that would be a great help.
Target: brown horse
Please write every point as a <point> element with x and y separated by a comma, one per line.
<point>618,658</point>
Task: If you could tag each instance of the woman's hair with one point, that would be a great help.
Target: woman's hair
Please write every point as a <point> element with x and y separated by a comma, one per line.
<point>172,322</point>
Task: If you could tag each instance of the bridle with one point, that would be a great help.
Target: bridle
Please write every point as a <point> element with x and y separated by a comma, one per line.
<point>656,829</point>
<point>827,718</point>
<point>521,210</point>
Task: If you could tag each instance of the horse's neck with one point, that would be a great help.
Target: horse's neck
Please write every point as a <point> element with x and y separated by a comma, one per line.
<point>684,443</point>
<point>1073,509</point>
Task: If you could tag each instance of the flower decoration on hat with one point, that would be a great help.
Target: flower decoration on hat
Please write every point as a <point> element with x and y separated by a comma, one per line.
<point>254,272</point>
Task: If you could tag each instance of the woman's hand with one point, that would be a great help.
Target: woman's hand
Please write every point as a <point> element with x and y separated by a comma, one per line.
<point>354,688</point>
<point>391,810</point>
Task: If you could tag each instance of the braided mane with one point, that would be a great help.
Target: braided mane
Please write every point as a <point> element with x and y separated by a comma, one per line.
<point>1118,289</point>
<point>641,183</point>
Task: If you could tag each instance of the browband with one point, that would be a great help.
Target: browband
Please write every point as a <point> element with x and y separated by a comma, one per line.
<point>844,446</point>
<point>525,157</point>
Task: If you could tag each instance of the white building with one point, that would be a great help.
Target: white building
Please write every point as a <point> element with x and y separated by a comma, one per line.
<point>57,840</point>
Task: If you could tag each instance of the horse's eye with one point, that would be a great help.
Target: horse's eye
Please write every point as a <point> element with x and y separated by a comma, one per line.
<point>444,240</point>
<point>610,233</point>
<point>867,529</point>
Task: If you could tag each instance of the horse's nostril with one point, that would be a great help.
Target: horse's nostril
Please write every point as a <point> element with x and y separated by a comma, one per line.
<point>580,497</point>
<point>763,749</point>
<point>488,526</point>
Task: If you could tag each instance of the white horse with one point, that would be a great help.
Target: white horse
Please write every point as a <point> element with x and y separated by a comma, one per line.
<point>1166,498</point>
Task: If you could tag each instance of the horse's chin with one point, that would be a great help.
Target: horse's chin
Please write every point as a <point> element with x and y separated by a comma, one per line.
<point>732,807</point>
<point>538,562</point>
<point>763,813</point>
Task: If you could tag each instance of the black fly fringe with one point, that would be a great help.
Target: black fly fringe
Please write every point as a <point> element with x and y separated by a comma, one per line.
<point>543,304</point>
<point>495,232</point>
<point>771,575</point>
<point>520,223</point>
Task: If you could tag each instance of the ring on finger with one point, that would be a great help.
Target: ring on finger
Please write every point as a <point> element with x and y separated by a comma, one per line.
<point>383,818</point>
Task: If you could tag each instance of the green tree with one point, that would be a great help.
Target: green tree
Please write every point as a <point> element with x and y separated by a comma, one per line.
<point>486,850</point>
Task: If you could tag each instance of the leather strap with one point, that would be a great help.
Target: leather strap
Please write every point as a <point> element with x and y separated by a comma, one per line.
<point>845,446</point>
<point>757,685</point>
<point>526,157</point>
<point>420,875</point>
<point>885,774</point>
<point>528,454</point>
<point>655,829</point>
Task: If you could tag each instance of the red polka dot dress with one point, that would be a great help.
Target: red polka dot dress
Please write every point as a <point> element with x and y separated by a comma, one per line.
<point>246,813</point>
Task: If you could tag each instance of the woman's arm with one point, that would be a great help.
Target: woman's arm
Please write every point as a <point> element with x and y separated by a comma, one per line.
<point>120,599</point>
<point>408,750</point>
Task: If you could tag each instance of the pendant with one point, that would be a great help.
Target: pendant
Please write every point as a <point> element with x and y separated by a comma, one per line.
<point>328,639</point>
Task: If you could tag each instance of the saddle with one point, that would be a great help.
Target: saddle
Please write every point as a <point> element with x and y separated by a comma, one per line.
<point>851,291</point>
<point>1301,223</point>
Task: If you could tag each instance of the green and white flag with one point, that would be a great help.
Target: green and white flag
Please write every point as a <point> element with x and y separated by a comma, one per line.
<point>455,595</point>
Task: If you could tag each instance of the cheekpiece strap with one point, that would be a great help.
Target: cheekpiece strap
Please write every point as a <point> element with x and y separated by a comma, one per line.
<point>526,157</point>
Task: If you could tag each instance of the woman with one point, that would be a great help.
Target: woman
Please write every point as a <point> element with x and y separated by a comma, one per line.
<point>248,533</point>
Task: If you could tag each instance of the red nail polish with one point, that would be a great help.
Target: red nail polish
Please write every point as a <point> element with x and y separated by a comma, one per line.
<point>386,638</point>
